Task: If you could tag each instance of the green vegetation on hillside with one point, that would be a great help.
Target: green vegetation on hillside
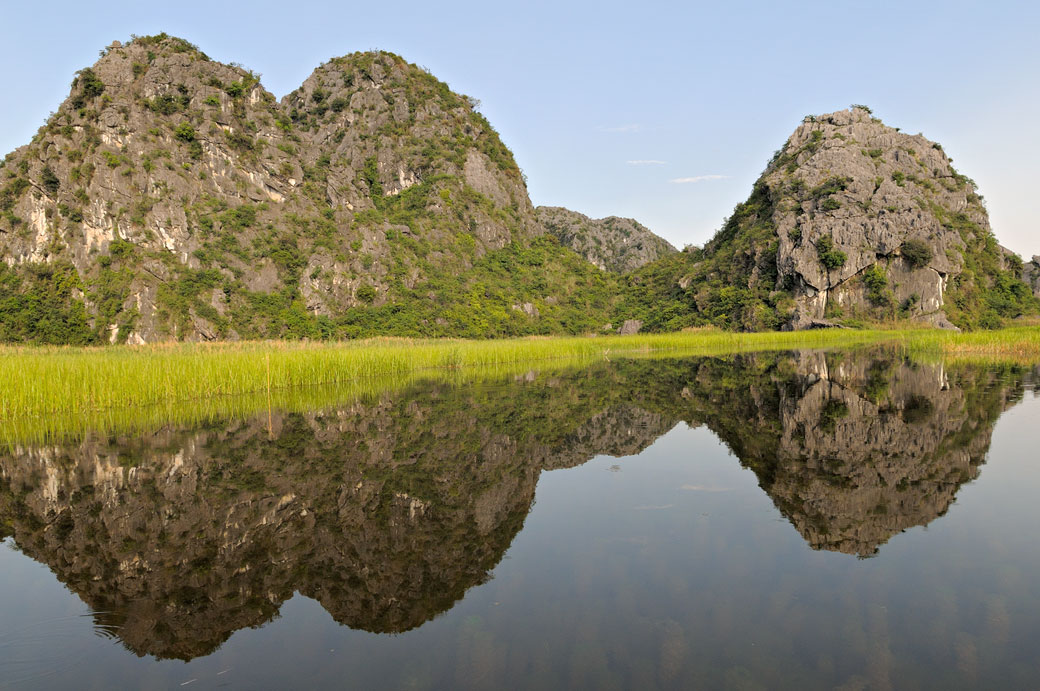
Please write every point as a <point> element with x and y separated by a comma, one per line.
<point>373,200</point>
<point>985,293</point>
<point>731,282</point>
<point>484,300</point>
<point>54,391</point>
<point>569,295</point>
<point>351,211</point>
<point>41,305</point>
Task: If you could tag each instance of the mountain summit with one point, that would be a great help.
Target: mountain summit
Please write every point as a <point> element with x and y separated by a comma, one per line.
<point>851,221</point>
<point>172,196</point>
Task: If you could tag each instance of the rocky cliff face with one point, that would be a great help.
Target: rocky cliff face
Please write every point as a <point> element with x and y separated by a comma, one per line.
<point>852,186</point>
<point>172,196</point>
<point>1031,274</point>
<point>613,244</point>
<point>851,220</point>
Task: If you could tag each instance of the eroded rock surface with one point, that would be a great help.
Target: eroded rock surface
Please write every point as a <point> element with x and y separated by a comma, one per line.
<point>613,244</point>
<point>886,188</point>
<point>852,221</point>
<point>173,197</point>
<point>1031,274</point>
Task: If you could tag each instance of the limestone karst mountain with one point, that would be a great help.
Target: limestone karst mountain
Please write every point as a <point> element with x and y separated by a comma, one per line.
<point>851,221</point>
<point>613,244</point>
<point>172,196</point>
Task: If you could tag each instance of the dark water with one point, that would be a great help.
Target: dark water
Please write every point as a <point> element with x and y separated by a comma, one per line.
<point>759,521</point>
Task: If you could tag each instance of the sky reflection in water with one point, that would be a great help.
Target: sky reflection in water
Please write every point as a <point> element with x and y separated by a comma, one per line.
<point>760,521</point>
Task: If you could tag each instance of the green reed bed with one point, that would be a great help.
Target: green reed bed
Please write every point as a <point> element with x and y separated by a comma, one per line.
<point>48,392</point>
<point>55,427</point>
<point>1019,344</point>
<point>70,381</point>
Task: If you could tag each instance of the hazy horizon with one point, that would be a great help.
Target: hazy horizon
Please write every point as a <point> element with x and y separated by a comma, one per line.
<point>659,113</point>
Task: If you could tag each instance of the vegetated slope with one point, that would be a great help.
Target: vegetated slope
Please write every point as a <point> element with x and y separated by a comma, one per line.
<point>613,244</point>
<point>172,196</point>
<point>851,221</point>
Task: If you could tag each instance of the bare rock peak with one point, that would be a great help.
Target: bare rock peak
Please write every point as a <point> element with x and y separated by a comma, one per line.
<point>853,221</point>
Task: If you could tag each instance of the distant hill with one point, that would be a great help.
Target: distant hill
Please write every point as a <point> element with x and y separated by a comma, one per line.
<point>613,244</point>
<point>851,222</point>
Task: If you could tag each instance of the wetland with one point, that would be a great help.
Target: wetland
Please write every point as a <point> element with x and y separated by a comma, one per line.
<point>851,518</point>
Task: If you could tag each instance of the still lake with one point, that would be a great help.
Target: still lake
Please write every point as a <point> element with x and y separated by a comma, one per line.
<point>803,520</point>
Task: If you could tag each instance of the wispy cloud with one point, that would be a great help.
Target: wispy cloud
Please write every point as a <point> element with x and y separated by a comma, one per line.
<point>620,128</point>
<point>703,488</point>
<point>697,178</point>
<point>646,162</point>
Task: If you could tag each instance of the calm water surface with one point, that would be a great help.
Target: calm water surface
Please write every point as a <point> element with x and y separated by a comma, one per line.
<point>760,521</point>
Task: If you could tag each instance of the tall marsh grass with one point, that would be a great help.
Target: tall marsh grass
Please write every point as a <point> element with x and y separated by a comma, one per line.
<point>1019,344</point>
<point>37,380</point>
<point>59,390</point>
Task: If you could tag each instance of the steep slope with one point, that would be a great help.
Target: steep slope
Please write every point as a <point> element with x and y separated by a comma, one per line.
<point>172,196</point>
<point>613,244</point>
<point>851,220</point>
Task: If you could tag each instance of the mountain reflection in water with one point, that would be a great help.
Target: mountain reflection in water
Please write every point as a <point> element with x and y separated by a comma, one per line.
<point>387,511</point>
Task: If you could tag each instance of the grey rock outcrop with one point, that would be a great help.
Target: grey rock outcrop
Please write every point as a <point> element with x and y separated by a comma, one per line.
<point>631,326</point>
<point>613,244</point>
<point>1031,274</point>
<point>873,192</point>
<point>166,173</point>
<point>851,221</point>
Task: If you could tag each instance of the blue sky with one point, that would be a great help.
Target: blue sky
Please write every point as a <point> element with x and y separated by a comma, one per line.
<point>607,104</point>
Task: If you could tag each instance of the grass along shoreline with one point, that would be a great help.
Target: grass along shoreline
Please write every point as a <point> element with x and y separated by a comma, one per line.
<point>65,381</point>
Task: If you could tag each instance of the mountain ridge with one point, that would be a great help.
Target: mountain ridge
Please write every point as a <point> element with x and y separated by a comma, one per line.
<point>172,197</point>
